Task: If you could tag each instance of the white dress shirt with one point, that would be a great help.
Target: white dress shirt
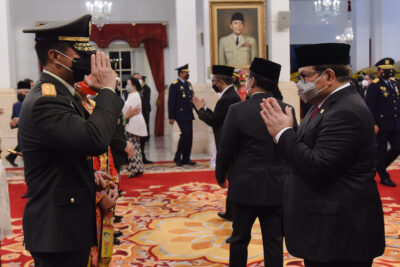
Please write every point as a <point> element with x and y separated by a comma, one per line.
<point>136,124</point>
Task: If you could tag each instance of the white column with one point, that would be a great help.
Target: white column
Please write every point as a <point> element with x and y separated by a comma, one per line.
<point>5,48</point>
<point>376,30</point>
<point>278,40</point>
<point>206,21</point>
<point>360,15</point>
<point>186,35</point>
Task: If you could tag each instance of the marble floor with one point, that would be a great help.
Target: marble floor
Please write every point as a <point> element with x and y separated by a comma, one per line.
<point>157,149</point>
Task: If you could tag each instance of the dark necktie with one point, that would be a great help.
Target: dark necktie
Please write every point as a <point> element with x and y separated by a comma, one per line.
<point>314,112</point>
<point>237,41</point>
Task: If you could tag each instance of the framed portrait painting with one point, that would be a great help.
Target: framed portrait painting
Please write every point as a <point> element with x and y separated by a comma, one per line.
<point>237,32</point>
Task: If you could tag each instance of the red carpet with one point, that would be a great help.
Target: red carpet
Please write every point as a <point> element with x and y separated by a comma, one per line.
<point>170,220</point>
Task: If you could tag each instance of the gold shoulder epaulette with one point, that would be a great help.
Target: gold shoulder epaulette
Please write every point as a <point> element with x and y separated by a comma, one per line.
<point>49,90</point>
<point>376,80</point>
<point>176,81</point>
<point>392,78</point>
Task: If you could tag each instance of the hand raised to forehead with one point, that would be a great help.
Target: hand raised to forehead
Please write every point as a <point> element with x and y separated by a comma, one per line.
<point>102,75</point>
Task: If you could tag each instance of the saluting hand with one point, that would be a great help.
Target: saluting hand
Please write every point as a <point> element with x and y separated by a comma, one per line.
<point>273,117</point>
<point>101,72</point>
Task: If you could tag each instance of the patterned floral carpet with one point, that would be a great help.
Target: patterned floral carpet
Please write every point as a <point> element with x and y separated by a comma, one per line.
<point>170,220</point>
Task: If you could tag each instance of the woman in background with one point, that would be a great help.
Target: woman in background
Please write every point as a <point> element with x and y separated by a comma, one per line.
<point>135,127</point>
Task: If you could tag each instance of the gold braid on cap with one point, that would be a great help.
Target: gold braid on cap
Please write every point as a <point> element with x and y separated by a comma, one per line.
<point>86,47</point>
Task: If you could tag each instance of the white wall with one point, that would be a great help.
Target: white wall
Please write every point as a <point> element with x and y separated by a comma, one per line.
<point>5,45</point>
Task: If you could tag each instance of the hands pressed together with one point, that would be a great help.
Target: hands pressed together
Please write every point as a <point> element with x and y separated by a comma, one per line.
<point>274,118</point>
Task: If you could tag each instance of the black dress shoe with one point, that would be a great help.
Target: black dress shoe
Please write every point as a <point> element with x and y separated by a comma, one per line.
<point>117,234</point>
<point>178,163</point>
<point>388,182</point>
<point>146,161</point>
<point>228,240</point>
<point>10,159</point>
<point>117,242</point>
<point>191,163</point>
<point>225,216</point>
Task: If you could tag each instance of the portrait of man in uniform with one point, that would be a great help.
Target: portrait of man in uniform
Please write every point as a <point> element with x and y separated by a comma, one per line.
<point>237,32</point>
<point>237,48</point>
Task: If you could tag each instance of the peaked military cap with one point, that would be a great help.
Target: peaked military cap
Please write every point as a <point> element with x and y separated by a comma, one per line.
<point>76,32</point>
<point>322,54</point>
<point>237,16</point>
<point>183,68</point>
<point>222,70</point>
<point>266,69</point>
<point>385,63</point>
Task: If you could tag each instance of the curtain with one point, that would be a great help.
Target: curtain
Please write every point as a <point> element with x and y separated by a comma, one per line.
<point>155,56</point>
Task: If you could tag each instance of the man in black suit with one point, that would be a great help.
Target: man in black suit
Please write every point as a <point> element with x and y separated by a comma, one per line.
<point>382,99</point>
<point>180,109</point>
<point>146,109</point>
<point>247,155</point>
<point>222,82</point>
<point>59,220</point>
<point>332,208</point>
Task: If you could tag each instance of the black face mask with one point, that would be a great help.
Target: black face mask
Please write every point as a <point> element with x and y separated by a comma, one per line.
<point>215,87</point>
<point>20,97</point>
<point>386,74</point>
<point>80,66</point>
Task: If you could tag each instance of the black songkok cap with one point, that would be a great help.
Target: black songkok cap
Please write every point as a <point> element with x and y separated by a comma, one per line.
<point>385,63</point>
<point>222,70</point>
<point>322,54</point>
<point>76,32</point>
<point>266,69</point>
<point>238,16</point>
<point>23,85</point>
<point>183,68</point>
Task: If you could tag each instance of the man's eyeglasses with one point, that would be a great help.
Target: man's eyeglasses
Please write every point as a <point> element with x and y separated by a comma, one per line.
<point>304,75</point>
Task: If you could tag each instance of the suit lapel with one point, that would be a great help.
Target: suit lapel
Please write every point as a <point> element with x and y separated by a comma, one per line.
<point>309,123</point>
<point>303,124</point>
<point>241,41</point>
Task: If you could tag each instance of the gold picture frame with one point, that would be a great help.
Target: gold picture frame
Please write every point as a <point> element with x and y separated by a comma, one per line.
<point>251,43</point>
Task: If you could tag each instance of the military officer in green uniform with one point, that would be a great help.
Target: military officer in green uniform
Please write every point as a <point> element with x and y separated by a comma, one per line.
<point>237,48</point>
<point>59,220</point>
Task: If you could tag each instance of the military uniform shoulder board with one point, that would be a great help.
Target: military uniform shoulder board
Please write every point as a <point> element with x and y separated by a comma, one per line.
<point>376,80</point>
<point>49,90</point>
<point>392,78</point>
<point>175,82</point>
